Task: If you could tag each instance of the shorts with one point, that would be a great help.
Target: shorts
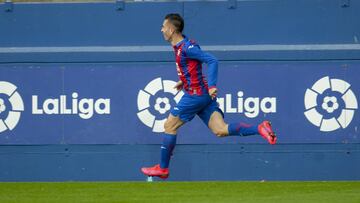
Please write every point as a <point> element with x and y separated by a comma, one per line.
<point>190,105</point>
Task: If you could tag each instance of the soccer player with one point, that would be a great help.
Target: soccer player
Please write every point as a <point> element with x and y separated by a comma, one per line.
<point>199,98</point>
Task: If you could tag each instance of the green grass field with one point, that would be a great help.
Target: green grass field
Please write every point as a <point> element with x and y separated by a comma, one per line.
<point>277,192</point>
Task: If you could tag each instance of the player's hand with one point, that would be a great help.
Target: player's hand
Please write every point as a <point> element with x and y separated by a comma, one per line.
<point>179,85</point>
<point>213,92</point>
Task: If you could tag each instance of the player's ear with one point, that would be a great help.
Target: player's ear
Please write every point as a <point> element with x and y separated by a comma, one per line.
<point>171,29</point>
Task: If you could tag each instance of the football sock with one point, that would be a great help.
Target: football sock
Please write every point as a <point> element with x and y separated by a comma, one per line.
<point>242,129</point>
<point>167,147</point>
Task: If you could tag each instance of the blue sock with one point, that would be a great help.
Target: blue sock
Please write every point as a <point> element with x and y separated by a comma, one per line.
<point>242,129</point>
<point>167,147</point>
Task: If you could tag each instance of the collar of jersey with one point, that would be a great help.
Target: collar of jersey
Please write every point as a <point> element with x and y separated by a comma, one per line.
<point>182,41</point>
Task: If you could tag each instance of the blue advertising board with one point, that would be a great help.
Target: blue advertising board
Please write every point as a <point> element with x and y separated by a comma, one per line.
<point>127,103</point>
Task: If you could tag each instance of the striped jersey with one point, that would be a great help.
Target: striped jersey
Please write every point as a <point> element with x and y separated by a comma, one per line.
<point>189,58</point>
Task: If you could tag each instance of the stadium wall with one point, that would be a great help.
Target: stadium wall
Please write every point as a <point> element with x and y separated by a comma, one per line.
<point>279,60</point>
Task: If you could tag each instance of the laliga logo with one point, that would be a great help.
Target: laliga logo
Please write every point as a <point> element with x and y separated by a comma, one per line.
<point>17,105</point>
<point>330,103</point>
<point>162,103</point>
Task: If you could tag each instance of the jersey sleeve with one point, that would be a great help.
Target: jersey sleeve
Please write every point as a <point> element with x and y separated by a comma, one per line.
<point>195,52</point>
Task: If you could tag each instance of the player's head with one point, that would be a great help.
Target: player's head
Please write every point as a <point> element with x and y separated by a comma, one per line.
<point>173,24</point>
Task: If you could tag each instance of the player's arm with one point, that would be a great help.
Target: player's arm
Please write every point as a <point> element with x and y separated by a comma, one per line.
<point>195,52</point>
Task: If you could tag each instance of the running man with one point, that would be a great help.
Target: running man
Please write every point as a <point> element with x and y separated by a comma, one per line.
<point>199,98</point>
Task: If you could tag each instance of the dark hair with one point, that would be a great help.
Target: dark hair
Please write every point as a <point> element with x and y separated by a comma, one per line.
<point>176,20</point>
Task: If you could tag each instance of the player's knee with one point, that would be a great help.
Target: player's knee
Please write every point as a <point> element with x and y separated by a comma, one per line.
<point>169,128</point>
<point>220,132</point>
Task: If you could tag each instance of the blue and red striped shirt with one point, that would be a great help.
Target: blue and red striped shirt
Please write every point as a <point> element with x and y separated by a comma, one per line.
<point>189,58</point>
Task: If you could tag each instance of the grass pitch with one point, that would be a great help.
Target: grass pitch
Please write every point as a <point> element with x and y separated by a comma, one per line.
<point>269,192</point>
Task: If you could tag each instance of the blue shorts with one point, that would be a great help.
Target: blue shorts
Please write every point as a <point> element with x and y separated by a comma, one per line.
<point>190,105</point>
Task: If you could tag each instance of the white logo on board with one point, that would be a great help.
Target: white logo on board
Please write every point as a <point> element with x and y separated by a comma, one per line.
<point>12,104</point>
<point>337,104</point>
<point>155,100</point>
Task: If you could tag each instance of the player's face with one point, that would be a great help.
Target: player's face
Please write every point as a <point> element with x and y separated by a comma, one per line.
<point>167,30</point>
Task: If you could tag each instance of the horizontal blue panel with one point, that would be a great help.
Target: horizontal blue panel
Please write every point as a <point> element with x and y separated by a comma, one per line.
<point>210,22</point>
<point>85,54</point>
<point>307,102</point>
<point>231,162</point>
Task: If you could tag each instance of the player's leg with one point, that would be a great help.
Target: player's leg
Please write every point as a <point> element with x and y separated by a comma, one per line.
<point>214,118</point>
<point>184,111</point>
<point>218,126</point>
<point>172,124</point>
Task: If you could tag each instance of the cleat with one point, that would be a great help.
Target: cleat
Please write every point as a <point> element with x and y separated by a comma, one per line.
<point>266,132</point>
<point>156,171</point>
